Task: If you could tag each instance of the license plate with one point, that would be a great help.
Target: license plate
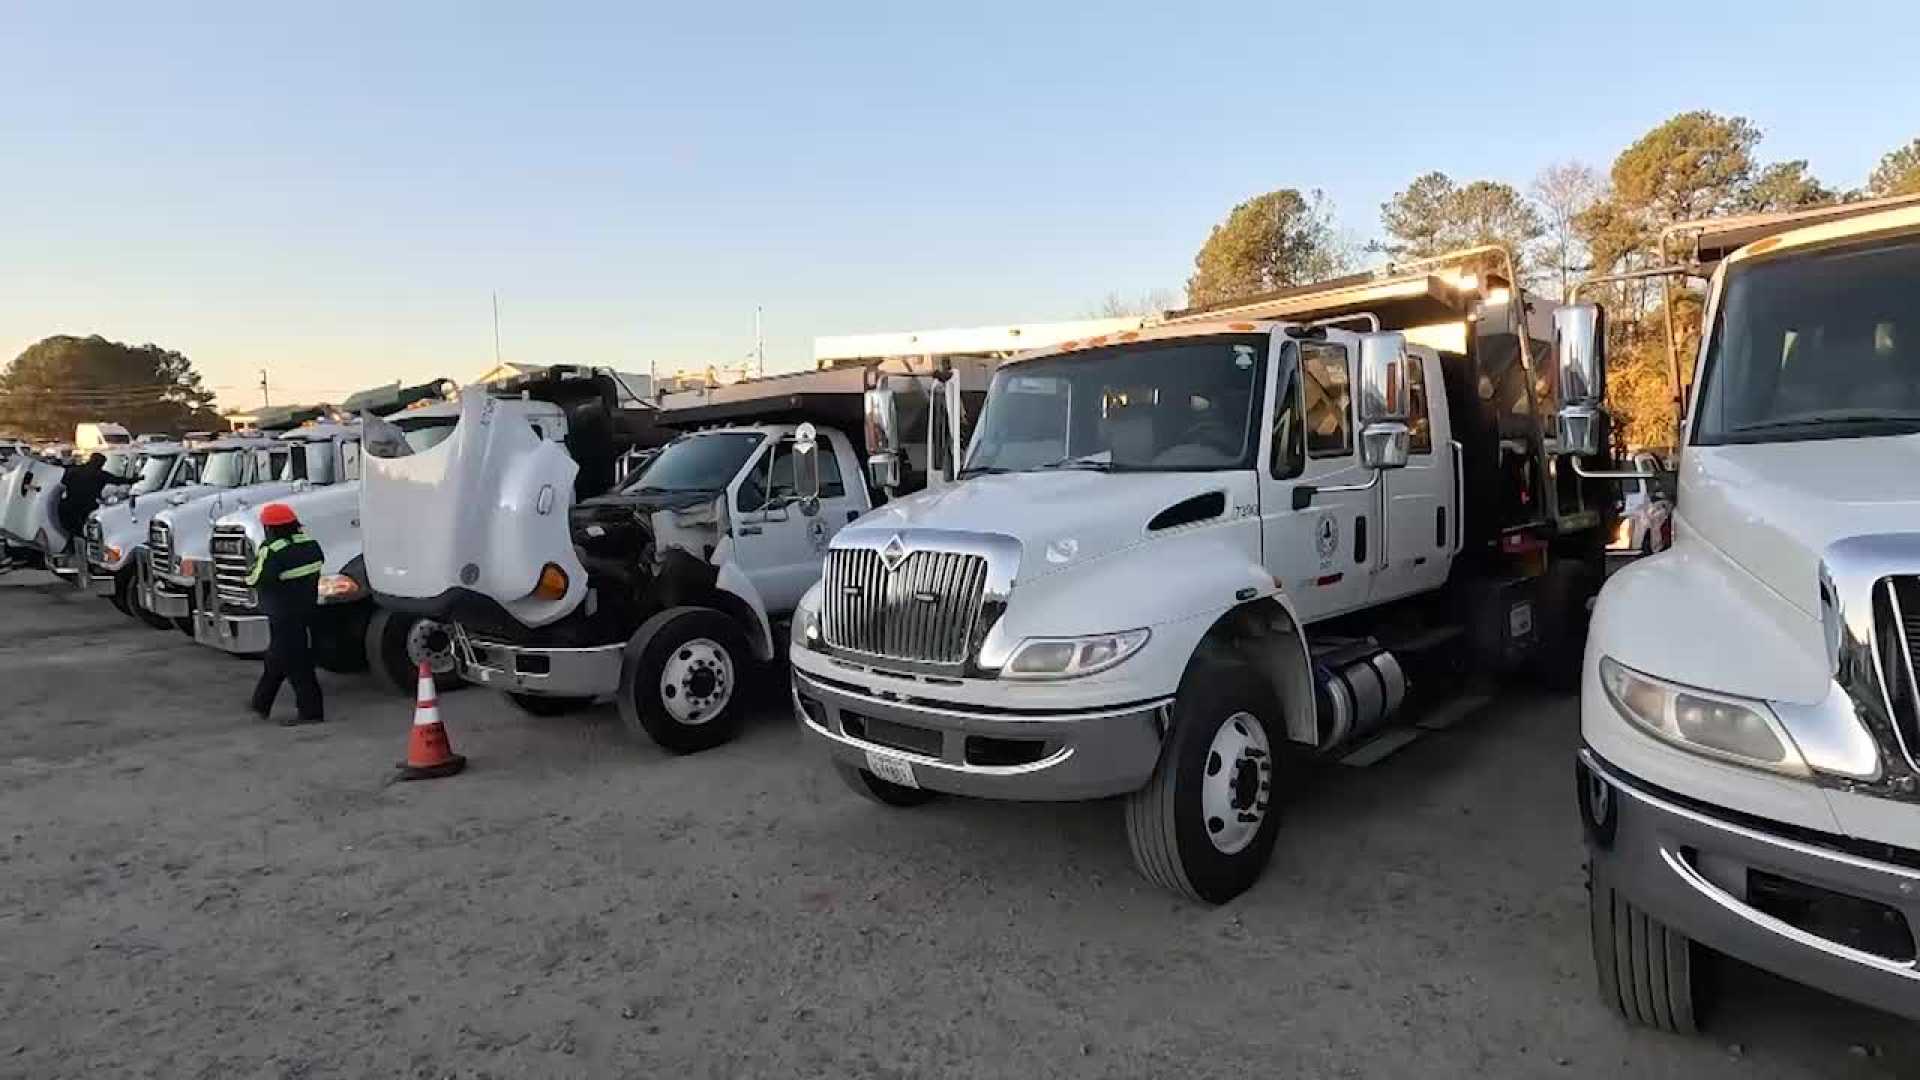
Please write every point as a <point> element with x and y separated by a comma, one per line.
<point>1520,619</point>
<point>891,769</point>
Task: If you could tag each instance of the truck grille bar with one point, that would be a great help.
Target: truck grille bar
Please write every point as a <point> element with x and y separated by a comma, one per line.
<point>232,562</point>
<point>1896,616</point>
<point>923,610</point>
<point>96,543</point>
<point>160,546</point>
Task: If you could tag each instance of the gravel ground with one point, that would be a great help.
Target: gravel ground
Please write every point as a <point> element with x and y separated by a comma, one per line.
<point>187,893</point>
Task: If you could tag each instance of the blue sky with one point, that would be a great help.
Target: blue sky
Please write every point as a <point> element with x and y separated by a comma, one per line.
<point>334,194</point>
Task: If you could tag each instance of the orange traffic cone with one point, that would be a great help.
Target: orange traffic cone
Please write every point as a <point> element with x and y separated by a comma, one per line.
<point>429,755</point>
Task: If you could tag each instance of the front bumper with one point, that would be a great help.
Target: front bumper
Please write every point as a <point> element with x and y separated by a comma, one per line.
<point>1054,756</point>
<point>246,635</point>
<point>548,672</point>
<point>97,579</point>
<point>1703,875</point>
<point>66,565</point>
<point>164,598</point>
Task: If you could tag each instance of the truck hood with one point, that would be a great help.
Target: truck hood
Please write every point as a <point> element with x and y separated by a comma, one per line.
<point>1061,519</point>
<point>29,503</point>
<point>1773,508</point>
<point>330,515</point>
<point>192,520</point>
<point>482,512</point>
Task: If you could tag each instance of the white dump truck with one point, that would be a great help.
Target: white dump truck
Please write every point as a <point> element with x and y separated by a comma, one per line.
<point>665,592</point>
<point>350,631</point>
<point>1182,559</point>
<point>1750,775</point>
<point>168,473</point>
<point>175,567</point>
<point>30,526</point>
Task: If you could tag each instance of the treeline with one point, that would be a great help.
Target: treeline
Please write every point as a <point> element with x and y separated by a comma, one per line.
<point>1573,223</point>
<point>62,381</point>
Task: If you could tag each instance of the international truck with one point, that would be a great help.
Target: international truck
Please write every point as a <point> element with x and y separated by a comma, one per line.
<point>667,592</point>
<point>1182,562</point>
<point>175,567</point>
<point>1749,778</point>
<point>350,631</point>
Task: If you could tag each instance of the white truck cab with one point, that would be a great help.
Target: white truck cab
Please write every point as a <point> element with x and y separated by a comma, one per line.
<point>176,565</point>
<point>1183,558</point>
<point>1750,775</point>
<point>662,592</point>
<point>165,470</point>
<point>350,631</point>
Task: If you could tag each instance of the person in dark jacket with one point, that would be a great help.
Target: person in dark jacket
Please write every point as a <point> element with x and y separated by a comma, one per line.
<point>286,579</point>
<point>80,489</point>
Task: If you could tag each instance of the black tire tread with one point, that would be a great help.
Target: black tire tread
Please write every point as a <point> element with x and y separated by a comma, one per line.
<point>1645,970</point>
<point>873,789</point>
<point>663,730</point>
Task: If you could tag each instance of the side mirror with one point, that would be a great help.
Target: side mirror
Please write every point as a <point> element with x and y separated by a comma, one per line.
<point>806,468</point>
<point>883,439</point>
<point>1386,400</point>
<point>1580,357</point>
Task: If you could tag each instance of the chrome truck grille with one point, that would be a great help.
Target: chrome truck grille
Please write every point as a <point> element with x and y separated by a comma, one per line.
<point>96,542</point>
<point>1896,614</point>
<point>917,606</point>
<point>232,562</point>
<point>160,546</point>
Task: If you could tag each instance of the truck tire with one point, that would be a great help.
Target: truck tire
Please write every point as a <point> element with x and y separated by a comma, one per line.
<point>127,581</point>
<point>545,705</point>
<point>397,642</point>
<point>886,792</point>
<point>1647,971</point>
<point>184,625</point>
<point>680,681</point>
<point>340,640</point>
<point>1205,824</point>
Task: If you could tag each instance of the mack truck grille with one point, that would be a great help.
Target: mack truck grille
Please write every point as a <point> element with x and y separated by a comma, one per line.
<point>96,542</point>
<point>232,562</point>
<point>160,546</point>
<point>923,609</point>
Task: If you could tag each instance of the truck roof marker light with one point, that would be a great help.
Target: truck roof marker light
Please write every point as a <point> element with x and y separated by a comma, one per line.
<point>1761,247</point>
<point>1240,326</point>
<point>1128,335</point>
<point>1328,579</point>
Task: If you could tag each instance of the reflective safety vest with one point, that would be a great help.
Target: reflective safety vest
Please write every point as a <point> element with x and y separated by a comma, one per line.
<point>302,559</point>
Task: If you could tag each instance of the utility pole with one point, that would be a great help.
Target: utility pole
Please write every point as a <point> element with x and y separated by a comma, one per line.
<point>759,342</point>
<point>264,403</point>
<point>496,328</point>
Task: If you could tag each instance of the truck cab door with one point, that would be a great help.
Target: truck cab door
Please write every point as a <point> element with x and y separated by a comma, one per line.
<point>776,543</point>
<point>1420,512</point>
<point>1323,555</point>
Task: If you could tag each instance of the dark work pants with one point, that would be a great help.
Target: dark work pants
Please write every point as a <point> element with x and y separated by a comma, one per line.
<point>289,659</point>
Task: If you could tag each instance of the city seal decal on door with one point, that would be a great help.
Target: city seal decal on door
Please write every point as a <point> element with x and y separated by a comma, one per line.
<point>1326,539</point>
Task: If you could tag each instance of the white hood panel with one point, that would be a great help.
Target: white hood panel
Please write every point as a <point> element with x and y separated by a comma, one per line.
<point>1773,508</point>
<point>25,516</point>
<point>330,515</point>
<point>467,514</point>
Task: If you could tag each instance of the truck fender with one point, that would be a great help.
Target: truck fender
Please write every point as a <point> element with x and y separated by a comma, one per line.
<point>1266,633</point>
<point>735,595</point>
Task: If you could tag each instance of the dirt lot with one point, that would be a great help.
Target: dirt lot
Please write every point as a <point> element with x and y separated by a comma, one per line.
<point>185,892</point>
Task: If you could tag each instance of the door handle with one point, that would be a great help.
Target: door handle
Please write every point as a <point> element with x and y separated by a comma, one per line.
<point>749,530</point>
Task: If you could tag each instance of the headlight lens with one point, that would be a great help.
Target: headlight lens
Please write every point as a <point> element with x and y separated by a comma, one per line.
<point>337,587</point>
<point>1070,658</point>
<point>1714,725</point>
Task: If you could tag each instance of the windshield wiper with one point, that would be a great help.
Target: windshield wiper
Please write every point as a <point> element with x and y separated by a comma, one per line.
<point>1087,464</point>
<point>984,470</point>
<point>1830,418</point>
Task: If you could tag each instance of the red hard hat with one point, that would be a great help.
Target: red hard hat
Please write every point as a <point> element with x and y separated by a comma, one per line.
<point>277,514</point>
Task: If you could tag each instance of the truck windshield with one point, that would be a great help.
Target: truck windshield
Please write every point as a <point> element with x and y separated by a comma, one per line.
<point>1187,405</point>
<point>224,468</point>
<point>154,470</point>
<point>705,462</point>
<point>425,434</point>
<point>1823,345</point>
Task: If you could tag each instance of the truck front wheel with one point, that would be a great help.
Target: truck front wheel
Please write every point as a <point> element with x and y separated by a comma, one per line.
<point>886,792</point>
<point>1205,824</point>
<point>680,682</point>
<point>1646,970</point>
<point>339,640</point>
<point>397,642</point>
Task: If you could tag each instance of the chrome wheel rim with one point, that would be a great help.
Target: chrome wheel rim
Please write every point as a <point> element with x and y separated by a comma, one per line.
<point>1237,783</point>
<point>428,640</point>
<point>697,681</point>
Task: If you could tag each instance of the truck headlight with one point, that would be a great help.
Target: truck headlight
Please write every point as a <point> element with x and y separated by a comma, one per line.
<point>806,627</point>
<point>1714,725</point>
<point>337,588</point>
<point>1070,658</point>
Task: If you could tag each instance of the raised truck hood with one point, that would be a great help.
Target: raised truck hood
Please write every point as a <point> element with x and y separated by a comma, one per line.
<point>1773,508</point>
<point>1062,519</point>
<point>29,507</point>
<point>467,517</point>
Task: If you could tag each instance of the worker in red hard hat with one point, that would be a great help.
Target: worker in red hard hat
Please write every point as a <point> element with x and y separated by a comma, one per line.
<point>286,579</point>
